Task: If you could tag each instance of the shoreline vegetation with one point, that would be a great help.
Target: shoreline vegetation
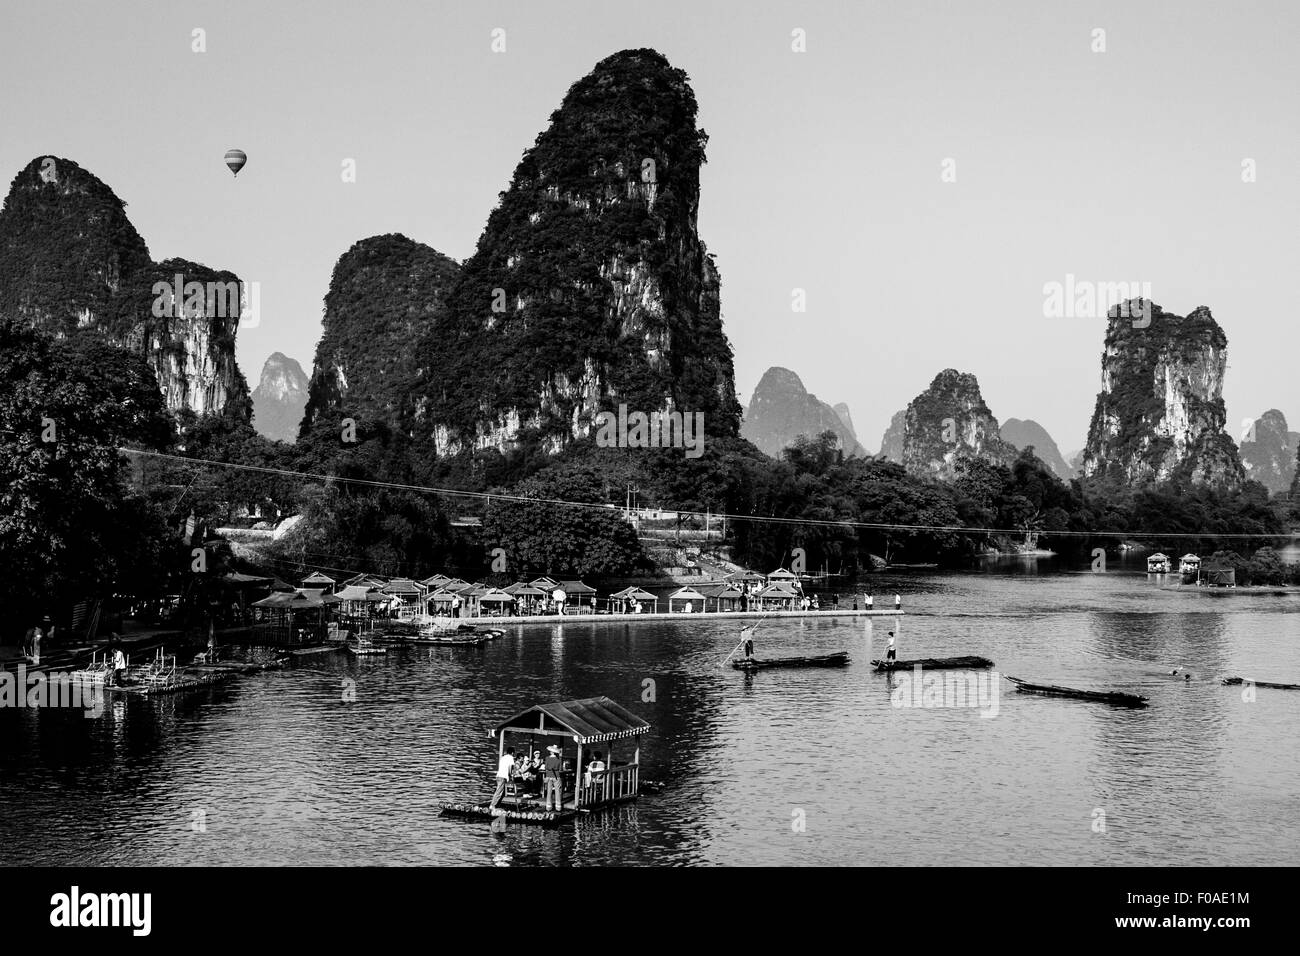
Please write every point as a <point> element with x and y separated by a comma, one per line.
<point>144,520</point>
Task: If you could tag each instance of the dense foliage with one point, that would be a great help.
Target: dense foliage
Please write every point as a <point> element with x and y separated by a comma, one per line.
<point>67,248</point>
<point>600,272</point>
<point>1123,436</point>
<point>381,299</point>
<point>563,540</point>
<point>69,522</point>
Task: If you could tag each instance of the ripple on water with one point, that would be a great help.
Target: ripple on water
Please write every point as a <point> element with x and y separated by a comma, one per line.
<point>794,767</point>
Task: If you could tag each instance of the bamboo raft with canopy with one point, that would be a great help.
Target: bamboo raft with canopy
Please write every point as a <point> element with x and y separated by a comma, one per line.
<point>837,659</point>
<point>572,725</point>
<point>935,663</point>
<point>1114,698</point>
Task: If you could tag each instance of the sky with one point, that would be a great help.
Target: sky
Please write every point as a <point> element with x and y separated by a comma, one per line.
<point>829,170</point>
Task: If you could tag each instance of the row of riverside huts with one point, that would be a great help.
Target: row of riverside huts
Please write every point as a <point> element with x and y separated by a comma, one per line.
<point>321,606</point>
<point>1189,567</point>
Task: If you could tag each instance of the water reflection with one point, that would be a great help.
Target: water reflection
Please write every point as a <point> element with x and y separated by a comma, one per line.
<point>778,767</point>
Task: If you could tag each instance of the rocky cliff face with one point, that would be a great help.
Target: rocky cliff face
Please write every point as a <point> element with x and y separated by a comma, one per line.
<point>72,263</point>
<point>1268,451</point>
<point>590,286</point>
<point>280,398</point>
<point>948,421</point>
<point>781,410</point>
<point>1160,413</point>
<point>845,416</point>
<point>891,443</point>
<point>1024,434</point>
<point>380,304</point>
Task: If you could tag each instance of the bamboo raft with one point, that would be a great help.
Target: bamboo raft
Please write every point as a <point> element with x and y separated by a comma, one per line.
<point>545,818</point>
<point>194,679</point>
<point>935,663</point>
<point>313,649</point>
<point>838,659</point>
<point>457,637</point>
<point>1233,681</point>
<point>1112,697</point>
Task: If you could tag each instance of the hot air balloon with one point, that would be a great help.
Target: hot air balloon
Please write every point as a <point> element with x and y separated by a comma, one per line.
<point>235,159</point>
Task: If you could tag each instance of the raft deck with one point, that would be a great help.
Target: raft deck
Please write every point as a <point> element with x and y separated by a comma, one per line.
<point>1114,698</point>
<point>838,659</point>
<point>935,663</point>
<point>1233,681</point>
<point>480,811</point>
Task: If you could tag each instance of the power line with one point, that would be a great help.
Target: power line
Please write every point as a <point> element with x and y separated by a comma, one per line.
<point>845,524</point>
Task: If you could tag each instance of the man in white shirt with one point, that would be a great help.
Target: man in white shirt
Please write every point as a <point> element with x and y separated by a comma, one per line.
<point>595,769</point>
<point>505,769</point>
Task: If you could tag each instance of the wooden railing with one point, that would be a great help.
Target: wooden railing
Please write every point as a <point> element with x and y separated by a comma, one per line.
<point>616,783</point>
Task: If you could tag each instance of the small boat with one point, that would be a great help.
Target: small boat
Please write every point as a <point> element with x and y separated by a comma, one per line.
<point>1232,681</point>
<point>465,634</point>
<point>1113,697</point>
<point>935,663</point>
<point>364,646</point>
<point>838,659</point>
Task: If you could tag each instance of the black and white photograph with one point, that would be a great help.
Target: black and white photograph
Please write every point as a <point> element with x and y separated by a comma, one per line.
<point>562,436</point>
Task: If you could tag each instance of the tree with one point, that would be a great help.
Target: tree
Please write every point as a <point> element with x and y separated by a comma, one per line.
<point>69,524</point>
<point>563,539</point>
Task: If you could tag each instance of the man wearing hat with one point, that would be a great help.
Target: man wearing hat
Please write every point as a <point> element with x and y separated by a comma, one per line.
<point>551,780</point>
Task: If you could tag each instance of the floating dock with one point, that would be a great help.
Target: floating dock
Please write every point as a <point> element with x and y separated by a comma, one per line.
<point>190,680</point>
<point>314,649</point>
<point>589,618</point>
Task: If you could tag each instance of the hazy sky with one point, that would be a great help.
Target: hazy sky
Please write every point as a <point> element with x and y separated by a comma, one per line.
<point>824,167</point>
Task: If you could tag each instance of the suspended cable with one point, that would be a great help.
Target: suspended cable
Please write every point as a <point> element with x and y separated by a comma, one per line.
<point>763,519</point>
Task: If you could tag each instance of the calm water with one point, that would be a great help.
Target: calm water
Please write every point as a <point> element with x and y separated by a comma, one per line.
<point>285,772</point>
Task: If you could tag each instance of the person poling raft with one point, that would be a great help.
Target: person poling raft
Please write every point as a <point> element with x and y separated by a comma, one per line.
<point>752,663</point>
<point>837,659</point>
<point>1113,697</point>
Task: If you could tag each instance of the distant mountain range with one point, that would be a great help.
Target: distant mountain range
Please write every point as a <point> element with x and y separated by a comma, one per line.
<point>1268,451</point>
<point>279,399</point>
<point>781,410</point>
<point>948,421</point>
<point>1024,433</point>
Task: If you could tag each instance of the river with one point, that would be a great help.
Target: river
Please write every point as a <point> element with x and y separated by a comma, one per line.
<point>784,767</point>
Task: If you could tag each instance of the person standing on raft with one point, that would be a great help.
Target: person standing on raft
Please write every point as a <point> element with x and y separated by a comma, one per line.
<point>505,770</point>
<point>891,652</point>
<point>748,634</point>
